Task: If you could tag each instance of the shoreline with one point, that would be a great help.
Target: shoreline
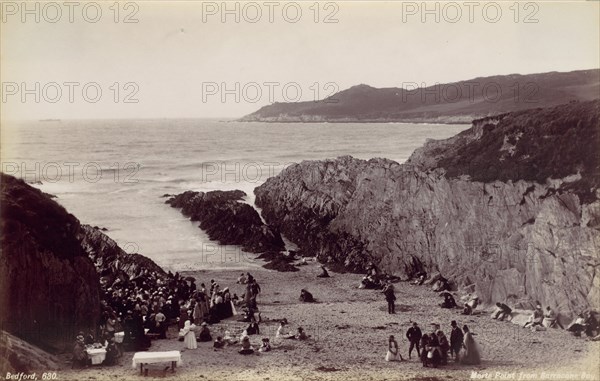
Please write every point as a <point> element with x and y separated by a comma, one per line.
<point>466,122</point>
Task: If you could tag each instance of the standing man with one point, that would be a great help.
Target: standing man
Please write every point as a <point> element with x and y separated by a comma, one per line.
<point>414,336</point>
<point>456,340</point>
<point>161,324</point>
<point>390,297</point>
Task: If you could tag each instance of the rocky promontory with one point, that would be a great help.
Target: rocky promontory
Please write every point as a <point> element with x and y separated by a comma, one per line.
<point>228,220</point>
<point>111,260</point>
<point>508,209</point>
<point>457,102</point>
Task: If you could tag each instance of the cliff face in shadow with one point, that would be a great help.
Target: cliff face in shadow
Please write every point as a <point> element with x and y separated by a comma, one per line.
<point>50,266</point>
<point>48,285</point>
<point>521,235</point>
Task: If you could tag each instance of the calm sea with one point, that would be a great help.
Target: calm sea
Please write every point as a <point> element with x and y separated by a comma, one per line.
<point>113,173</point>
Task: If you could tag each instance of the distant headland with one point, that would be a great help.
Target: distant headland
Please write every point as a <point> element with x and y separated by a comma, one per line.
<point>457,102</point>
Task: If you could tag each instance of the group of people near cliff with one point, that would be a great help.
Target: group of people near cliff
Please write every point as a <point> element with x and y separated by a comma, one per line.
<point>439,283</point>
<point>143,307</point>
<point>372,278</point>
<point>140,307</point>
<point>541,319</point>
<point>194,326</point>
<point>145,302</point>
<point>434,349</point>
<point>83,341</point>
<point>191,337</point>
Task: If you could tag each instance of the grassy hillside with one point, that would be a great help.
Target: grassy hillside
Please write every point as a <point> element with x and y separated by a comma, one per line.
<point>453,102</point>
<point>536,145</point>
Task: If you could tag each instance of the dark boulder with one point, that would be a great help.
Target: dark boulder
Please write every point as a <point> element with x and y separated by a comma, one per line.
<point>228,220</point>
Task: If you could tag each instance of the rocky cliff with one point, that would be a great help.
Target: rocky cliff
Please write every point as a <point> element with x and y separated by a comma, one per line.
<point>50,266</point>
<point>109,259</point>
<point>48,285</point>
<point>228,220</point>
<point>522,234</point>
<point>457,102</point>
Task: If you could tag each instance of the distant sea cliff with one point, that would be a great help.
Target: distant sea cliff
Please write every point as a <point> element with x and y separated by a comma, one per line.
<point>458,102</point>
<point>508,209</point>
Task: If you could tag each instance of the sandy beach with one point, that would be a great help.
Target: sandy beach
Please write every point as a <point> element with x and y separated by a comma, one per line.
<point>349,328</point>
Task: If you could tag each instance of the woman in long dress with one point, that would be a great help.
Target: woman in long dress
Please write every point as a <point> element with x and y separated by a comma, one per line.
<point>392,353</point>
<point>471,356</point>
<point>197,314</point>
<point>189,336</point>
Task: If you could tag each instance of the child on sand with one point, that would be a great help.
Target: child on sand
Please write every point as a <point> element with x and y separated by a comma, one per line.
<point>204,334</point>
<point>282,331</point>
<point>306,296</point>
<point>265,346</point>
<point>228,339</point>
<point>219,343</point>
<point>301,335</point>
<point>246,347</point>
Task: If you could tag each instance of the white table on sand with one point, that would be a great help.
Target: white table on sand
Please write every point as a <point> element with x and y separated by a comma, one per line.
<point>119,337</point>
<point>96,355</point>
<point>144,358</point>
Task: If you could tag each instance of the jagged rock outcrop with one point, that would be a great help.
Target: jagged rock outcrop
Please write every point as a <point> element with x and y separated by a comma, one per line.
<point>109,259</point>
<point>228,220</point>
<point>508,235</point>
<point>48,285</point>
<point>17,356</point>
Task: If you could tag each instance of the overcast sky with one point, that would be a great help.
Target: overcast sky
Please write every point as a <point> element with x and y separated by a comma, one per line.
<point>177,56</point>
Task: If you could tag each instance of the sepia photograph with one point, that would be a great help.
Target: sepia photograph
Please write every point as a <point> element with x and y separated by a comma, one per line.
<point>300,190</point>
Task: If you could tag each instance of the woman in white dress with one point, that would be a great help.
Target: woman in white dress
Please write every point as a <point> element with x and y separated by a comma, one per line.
<point>471,356</point>
<point>392,353</point>
<point>189,336</point>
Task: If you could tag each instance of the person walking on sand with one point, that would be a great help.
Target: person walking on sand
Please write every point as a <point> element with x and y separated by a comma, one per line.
<point>390,297</point>
<point>413,334</point>
<point>456,340</point>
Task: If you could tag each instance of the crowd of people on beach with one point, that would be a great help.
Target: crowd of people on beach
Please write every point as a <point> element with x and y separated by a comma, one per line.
<point>434,348</point>
<point>142,308</point>
<point>138,309</point>
<point>540,319</point>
